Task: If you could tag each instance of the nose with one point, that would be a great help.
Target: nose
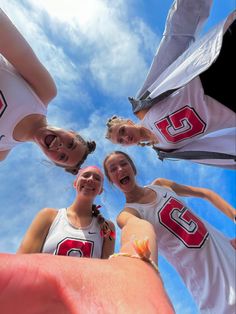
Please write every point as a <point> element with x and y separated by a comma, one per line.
<point>59,146</point>
<point>90,178</point>
<point>119,167</point>
<point>126,139</point>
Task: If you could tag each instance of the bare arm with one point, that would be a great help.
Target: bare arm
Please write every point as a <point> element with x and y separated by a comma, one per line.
<point>209,195</point>
<point>3,154</point>
<point>18,52</point>
<point>36,234</point>
<point>133,227</point>
<point>109,243</point>
<point>45,283</point>
<point>185,19</point>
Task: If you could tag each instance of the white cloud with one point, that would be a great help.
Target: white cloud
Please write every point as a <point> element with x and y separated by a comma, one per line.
<point>98,52</point>
<point>114,49</point>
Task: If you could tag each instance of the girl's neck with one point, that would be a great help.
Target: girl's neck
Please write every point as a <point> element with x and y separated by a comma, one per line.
<point>148,136</point>
<point>141,195</point>
<point>135,194</point>
<point>79,213</point>
<point>81,207</point>
<point>26,129</point>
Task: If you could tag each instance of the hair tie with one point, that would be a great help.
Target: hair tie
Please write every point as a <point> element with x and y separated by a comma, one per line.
<point>143,252</point>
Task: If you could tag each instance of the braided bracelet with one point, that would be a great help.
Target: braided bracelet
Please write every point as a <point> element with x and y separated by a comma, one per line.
<point>143,253</point>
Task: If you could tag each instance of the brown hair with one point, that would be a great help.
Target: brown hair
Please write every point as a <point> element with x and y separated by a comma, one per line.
<point>117,152</point>
<point>104,226</point>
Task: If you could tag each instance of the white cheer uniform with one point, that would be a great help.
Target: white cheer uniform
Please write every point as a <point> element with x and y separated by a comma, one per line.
<point>17,100</point>
<point>65,239</point>
<point>182,120</point>
<point>202,256</point>
<point>180,113</point>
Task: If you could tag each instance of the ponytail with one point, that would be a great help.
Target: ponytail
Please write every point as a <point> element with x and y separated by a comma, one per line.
<point>106,231</point>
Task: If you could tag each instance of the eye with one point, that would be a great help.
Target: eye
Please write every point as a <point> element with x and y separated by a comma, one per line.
<point>97,178</point>
<point>113,169</point>
<point>71,144</point>
<point>85,174</point>
<point>122,131</point>
<point>61,157</point>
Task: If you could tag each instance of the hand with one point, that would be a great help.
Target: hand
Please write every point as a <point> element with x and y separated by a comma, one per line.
<point>42,283</point>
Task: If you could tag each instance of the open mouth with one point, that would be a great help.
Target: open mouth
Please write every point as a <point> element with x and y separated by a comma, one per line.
<point>124,180</point>
<point>49,140</point>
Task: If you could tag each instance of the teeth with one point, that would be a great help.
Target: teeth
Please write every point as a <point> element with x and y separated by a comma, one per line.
<point>88,188</point>
<point>53,142</point>
<point>124,180</point>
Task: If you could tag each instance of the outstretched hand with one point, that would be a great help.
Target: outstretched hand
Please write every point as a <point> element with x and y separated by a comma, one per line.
<point>41,283</point>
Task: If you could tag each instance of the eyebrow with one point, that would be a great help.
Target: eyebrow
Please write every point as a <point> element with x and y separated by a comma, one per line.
<point>93,173</point>
<point>114,163</point>
<point>119,132</point>
<point>74,144</point>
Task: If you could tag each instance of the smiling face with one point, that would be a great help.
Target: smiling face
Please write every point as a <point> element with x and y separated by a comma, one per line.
<point>89,182</point>
<point>126,134</point>
<point>61,146</point>
<point>121,171</point>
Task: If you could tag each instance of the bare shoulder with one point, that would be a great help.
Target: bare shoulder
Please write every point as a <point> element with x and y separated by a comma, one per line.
<point>162,182</point>
<point>129,210</point>
<point>141,114</point>
<point>126,214</point>
<point>47,214</point>
<point>3,154</point>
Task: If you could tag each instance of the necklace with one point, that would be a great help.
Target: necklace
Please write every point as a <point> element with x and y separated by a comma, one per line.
<point>151,139</point>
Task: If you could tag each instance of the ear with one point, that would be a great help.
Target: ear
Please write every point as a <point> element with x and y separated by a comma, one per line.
<point>130,122</point>
<point>101,191</point>
<point>74,184</point>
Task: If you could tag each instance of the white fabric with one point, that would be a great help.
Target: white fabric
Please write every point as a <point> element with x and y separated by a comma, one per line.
<point>202,256</point>
<point>174,65</point>
<point>17,100</point>
<point>184,21</point>
<point>65,239</point>
<point>187,115</point>
<point>189,120</point>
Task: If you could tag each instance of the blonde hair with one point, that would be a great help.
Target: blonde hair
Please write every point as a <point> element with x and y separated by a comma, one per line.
<point>114,120</point>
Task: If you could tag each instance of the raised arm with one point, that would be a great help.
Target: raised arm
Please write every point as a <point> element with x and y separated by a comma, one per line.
<point>133,227</point>
<point>185,19</point>
<point>3,154</point>
<point>37,232</point>
<point>18,52</point>
<point>209,195</point>
<point>109,243</point>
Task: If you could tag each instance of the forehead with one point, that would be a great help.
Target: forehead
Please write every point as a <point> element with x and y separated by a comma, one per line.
<point>115,158</point>
<point>89,170</point>
<point>115,129</point>
<point>75,155</point>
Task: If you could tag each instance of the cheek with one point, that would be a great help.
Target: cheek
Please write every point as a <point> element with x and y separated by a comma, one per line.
<point>51,155</point>
<point>113,179</point>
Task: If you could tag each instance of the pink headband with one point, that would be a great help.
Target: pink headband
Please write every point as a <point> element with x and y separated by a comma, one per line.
<point>85,168</point>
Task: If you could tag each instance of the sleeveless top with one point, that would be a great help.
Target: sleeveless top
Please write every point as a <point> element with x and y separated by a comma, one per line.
<point>17,100</point>
<point>65,239</point>
<point>202,256</point>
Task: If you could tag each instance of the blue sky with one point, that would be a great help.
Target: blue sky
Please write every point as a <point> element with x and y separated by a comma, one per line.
<point>98,52</point>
